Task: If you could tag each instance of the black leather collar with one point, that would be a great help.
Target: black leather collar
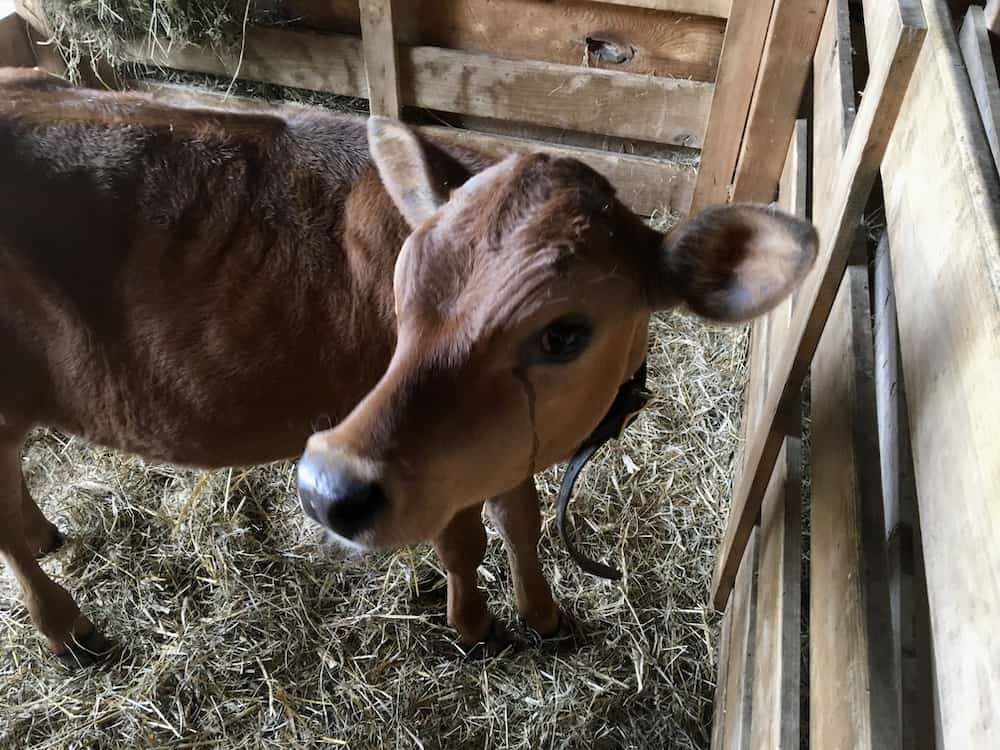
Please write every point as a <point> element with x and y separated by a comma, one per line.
<point>632,397</point>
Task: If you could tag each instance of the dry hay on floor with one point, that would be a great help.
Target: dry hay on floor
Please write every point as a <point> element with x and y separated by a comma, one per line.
<point>242,631</point>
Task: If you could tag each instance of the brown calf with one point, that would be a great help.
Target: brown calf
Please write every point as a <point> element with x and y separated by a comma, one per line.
<point>201,286</point>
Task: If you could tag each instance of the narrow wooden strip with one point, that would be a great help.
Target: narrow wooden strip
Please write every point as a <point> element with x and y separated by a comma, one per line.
<point>777,644</point>
<point>739,680</point>
<point>784,69</point>
<point>15,47</point>
<point>721,681</point>
<point>851,688</point>
<point>975,43</point>
<point>741,52</point>
<point>46,54</point>
<point>949,318</point>
<point>563,96</point>
<point>715,8</point>
<point>833,103</point>
<point>898,495</point>
<point>379,48</point>
<point>645,185</point>
<point>992,16</point>
<point>597,101</point>
<point>889,77</point>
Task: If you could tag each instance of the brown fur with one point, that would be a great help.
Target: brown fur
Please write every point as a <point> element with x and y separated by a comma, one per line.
<point>211,288</point>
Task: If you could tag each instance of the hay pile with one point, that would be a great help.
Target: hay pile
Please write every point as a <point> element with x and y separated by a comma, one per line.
<point>241,630</point>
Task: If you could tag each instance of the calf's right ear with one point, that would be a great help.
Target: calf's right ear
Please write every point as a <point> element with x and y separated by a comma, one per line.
<point>417,175</point>
<point>732,263</point>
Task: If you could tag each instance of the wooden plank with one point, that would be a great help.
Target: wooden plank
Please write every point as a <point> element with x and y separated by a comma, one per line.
<point>992,16</point>
<point>975,44</point>
<point>715,8</point>
<point>833,102</point>
<point>777,645</point>
<point>899,499</point>
<point>851,688</point>
<point>722,680</point>
<point>15,47</point>
<point>661,43</point>
<point>597,101</point>
<point>562,96</point>
<point>379,48</point>
<point>793,197</point>
<point>889,77</point>
<point>741,52</point>
<point>46,54</point>
<point>784,69</point>
<point>739,677</point>
<point>644,185</point>
<point>944,247</point>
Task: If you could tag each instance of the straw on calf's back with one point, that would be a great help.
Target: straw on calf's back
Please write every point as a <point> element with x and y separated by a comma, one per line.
<point>202,286</point>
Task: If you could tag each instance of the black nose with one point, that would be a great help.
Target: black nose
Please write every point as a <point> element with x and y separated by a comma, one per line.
<point>340,501</point>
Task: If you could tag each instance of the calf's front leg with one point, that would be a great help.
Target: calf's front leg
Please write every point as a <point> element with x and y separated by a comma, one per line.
<point>69,634</point>
<point>461,547</point>
<point>517,518</point>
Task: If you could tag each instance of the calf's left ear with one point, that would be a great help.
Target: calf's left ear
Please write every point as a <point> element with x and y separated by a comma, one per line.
<point>732,263</point>
<point>418,175</point>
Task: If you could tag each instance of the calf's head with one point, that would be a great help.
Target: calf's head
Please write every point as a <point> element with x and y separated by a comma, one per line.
<point>522,300</point>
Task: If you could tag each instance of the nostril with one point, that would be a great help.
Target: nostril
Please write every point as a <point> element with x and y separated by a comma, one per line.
<point>356,508</point>
<point>333,497</point>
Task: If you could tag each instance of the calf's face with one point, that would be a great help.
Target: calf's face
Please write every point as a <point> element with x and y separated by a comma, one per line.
<point>522,299</point>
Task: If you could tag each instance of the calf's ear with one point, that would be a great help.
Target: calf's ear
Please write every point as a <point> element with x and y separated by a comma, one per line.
<point>732,263</point>
<point>417,175</point>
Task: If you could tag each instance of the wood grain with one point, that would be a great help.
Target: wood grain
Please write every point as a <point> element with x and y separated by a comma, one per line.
<point>741,52</point>
<point>944,246</point>
<point>974,41</point>
<point>379,49</point>
<point>890,73</point>
<point>15,47</point>
<point>670,44</point>
<point>781,79</point>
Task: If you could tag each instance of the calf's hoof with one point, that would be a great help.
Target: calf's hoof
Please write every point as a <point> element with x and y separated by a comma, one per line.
<point>85,651</point>
<point>496,640</point>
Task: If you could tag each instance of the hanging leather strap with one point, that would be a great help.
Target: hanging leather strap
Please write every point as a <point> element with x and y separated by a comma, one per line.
<point>632,397</point>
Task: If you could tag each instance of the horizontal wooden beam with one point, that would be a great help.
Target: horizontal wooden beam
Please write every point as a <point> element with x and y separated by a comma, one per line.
<point>643,184</point>
<point>899,47</point>
<point>714,8</point>
<point>608,102</point>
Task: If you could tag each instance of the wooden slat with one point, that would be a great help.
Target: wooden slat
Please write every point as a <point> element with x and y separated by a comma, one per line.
<point>715,8</point>
<point>851,687</point>
<point>784,69</point>
<point>889,77</point>
<point>46,55</point>
<point>992,16</point>
<point>671,44</point>
<point>975,43</point>
<point>777,646</point>
<point>722,681</point>
<point>15,48</point>
<point>833,102</point>
<point>739,677</point>
<point>944,245</point>
<point>644,185</point>
<point>741,52</point>
<point>379,48</point>
<point>597,101</point>
<point>899,498</point>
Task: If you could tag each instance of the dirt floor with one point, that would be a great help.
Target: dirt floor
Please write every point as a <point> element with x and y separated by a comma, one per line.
<point>239,629</point>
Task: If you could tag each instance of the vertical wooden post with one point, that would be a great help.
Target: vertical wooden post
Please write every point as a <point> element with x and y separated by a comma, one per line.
<point>381,62</point>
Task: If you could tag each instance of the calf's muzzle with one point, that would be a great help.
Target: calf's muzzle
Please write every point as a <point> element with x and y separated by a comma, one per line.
<point>336,497</point>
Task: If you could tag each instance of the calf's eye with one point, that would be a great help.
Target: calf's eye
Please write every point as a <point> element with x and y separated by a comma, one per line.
<point>564,339</point>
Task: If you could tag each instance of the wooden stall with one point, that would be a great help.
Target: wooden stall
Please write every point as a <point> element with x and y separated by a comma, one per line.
<point>896,335</point>
<point>859,574</point>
